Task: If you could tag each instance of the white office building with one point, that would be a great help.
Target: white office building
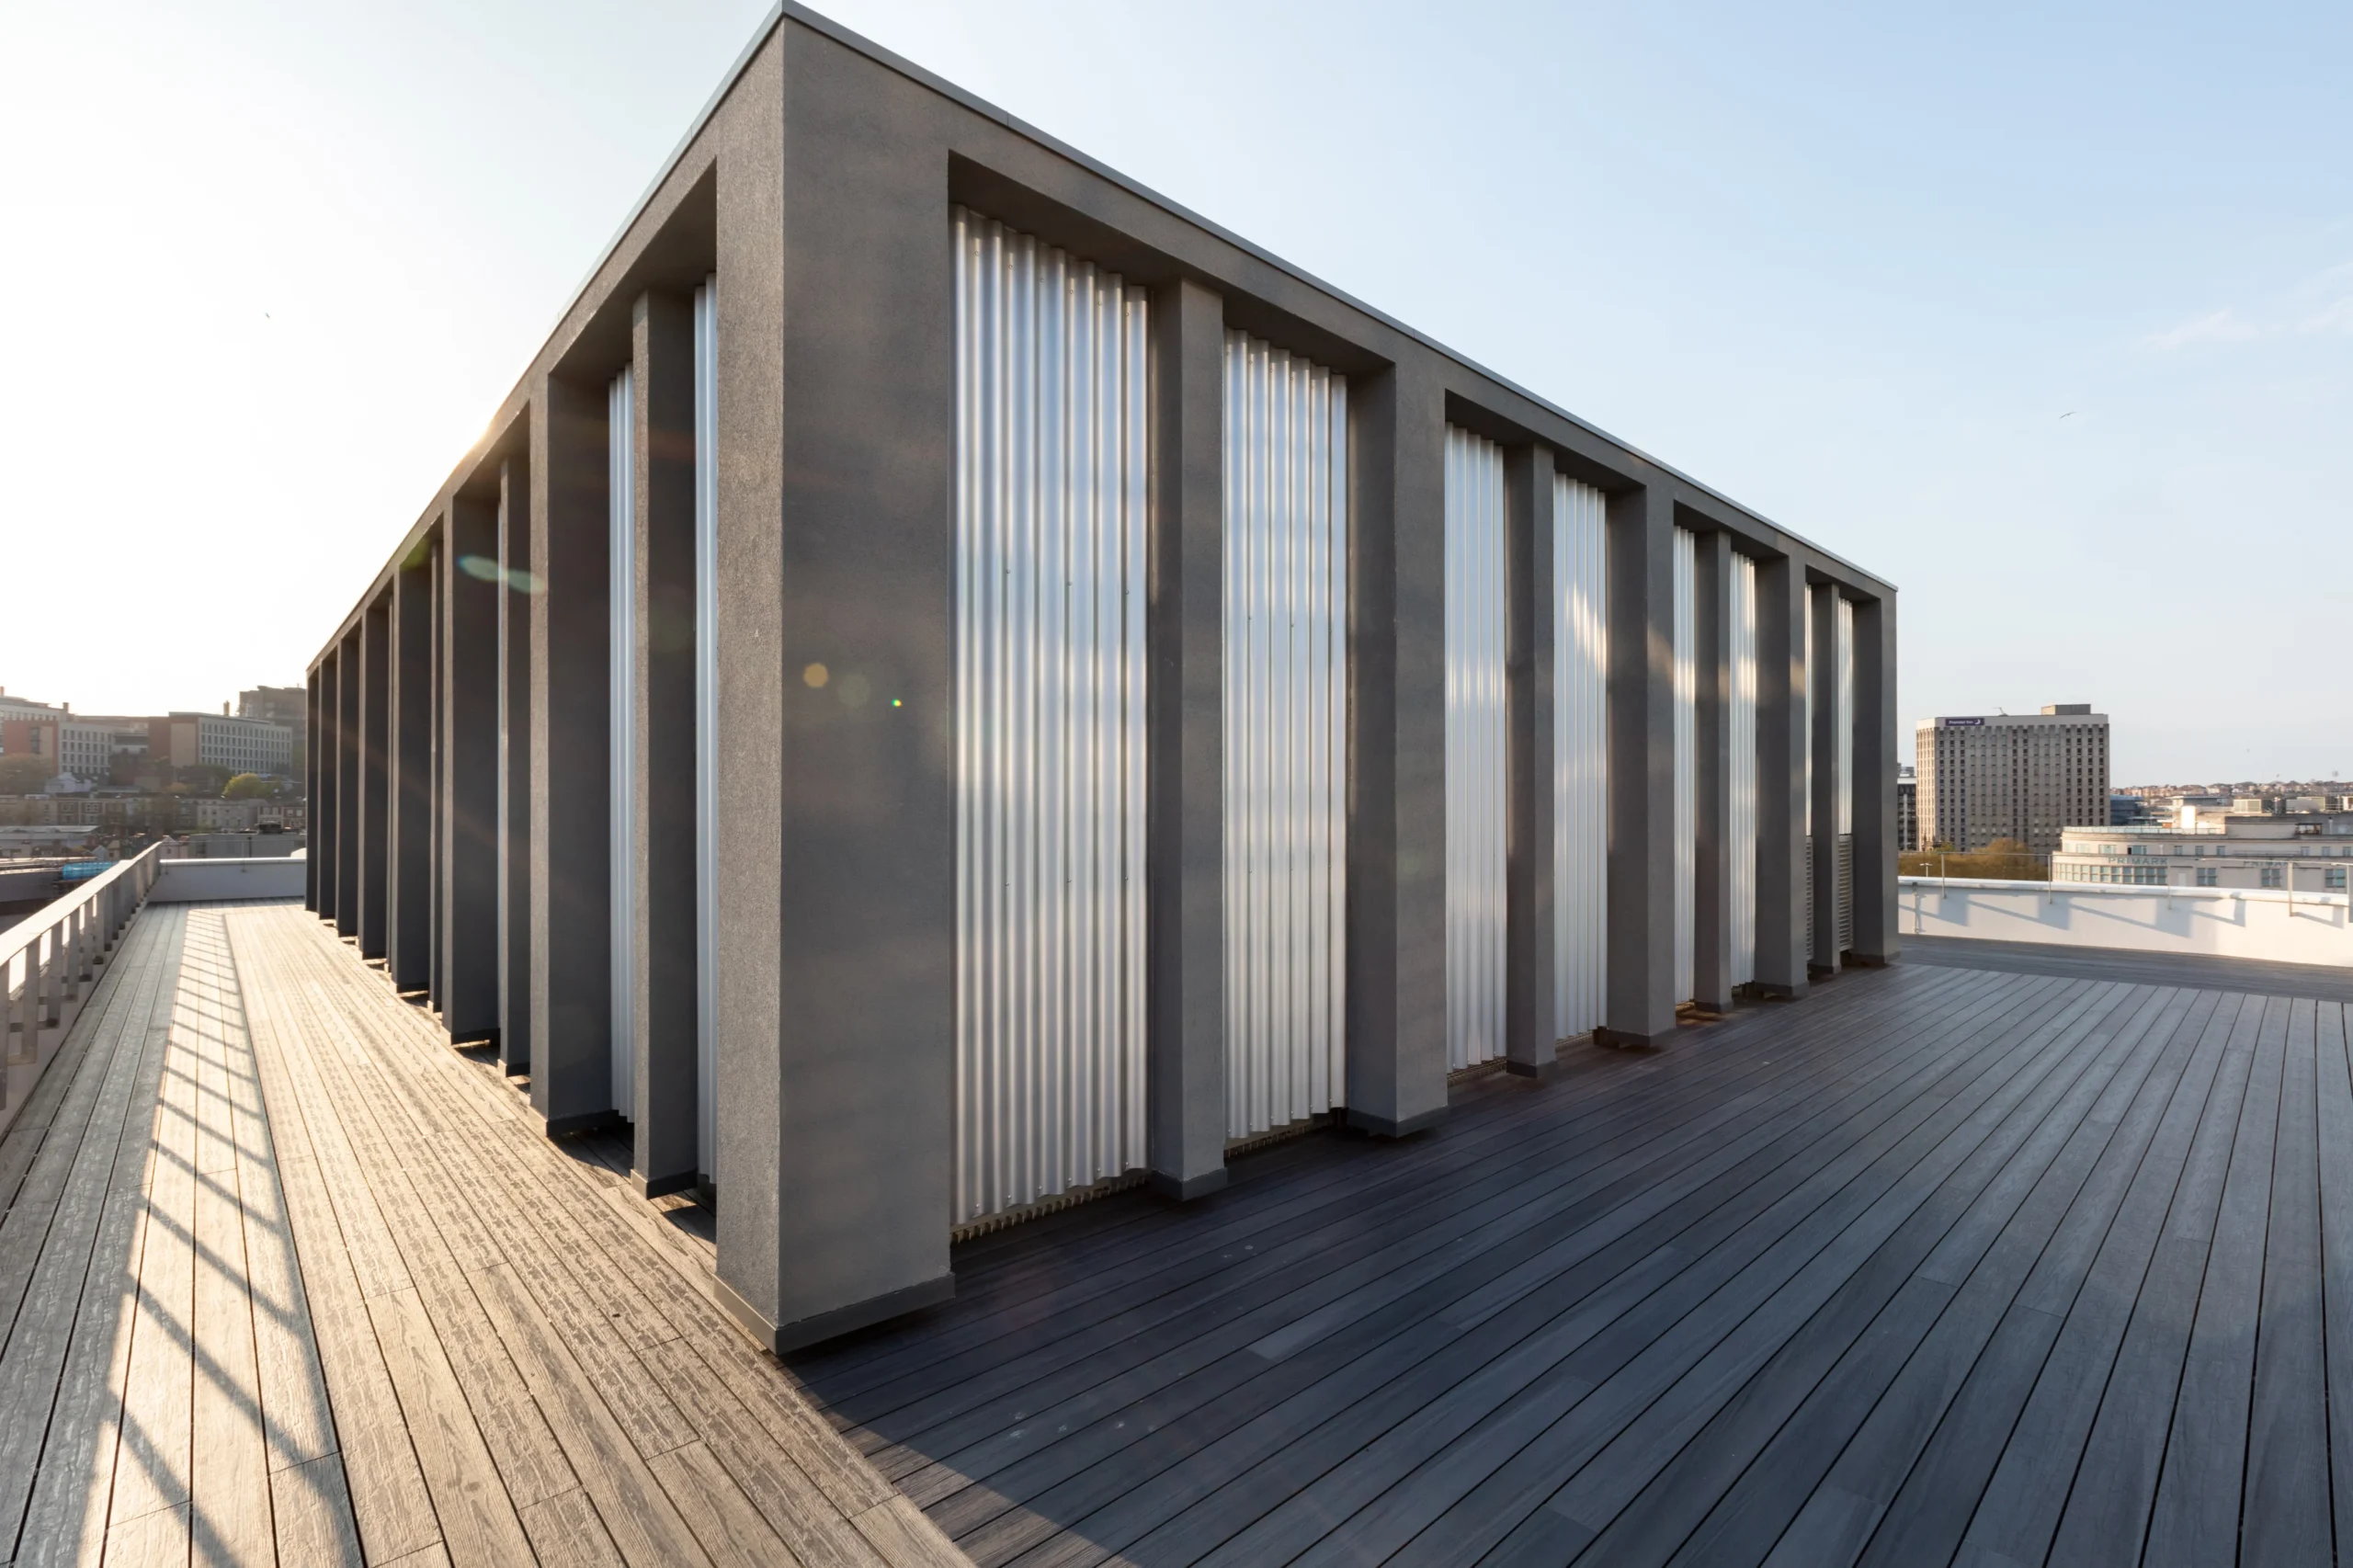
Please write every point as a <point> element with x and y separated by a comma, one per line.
<point>2305,852</point>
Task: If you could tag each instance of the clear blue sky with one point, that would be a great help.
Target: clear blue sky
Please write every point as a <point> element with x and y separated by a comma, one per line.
<point>2044,313</point>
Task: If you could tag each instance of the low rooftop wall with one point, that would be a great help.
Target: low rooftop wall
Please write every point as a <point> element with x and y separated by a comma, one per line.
<point>2238,923</point>
<point>201,882</point>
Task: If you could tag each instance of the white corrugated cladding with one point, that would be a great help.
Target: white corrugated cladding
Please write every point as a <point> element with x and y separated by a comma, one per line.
<point>621,638</point>
<point>1687,799</point>
<point>1051,447</point>
<point>1476,721</point>
<point>1286,738</point>
<point>1741,639</point>
<point>707,728</point>
<point>1580,756</point>
<point>1805,773</point>
<point>1844,793</point>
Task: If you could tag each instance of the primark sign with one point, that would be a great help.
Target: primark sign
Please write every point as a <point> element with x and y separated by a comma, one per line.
<point>1958,723</point>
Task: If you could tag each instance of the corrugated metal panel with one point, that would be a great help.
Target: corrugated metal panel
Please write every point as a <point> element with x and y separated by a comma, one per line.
<point>1844,619</point>
<point>1580,756</point>
<point>1286,738</point>
<point>1844,721</point>
<point>1477,746</point>
<point>707,729</point>
<point>621,640</point>
<point>1051,474</point>
<point>1805,773</point>
<point>1686,780</point>
<point>1741,641</point>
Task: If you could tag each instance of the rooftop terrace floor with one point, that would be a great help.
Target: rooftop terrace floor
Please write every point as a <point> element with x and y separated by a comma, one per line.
<point>284,1278</point>
<point>1942,1265</point>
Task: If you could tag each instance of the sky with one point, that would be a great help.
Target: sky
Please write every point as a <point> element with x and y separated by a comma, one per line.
<point>2045,313</point>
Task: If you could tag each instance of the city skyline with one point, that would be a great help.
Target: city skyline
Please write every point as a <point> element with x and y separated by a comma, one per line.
<point>2031,343</point>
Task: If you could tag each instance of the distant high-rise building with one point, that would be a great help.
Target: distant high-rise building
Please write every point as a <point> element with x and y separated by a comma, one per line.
<point>287,705</point>
<point>2024,776</point>
<point>1907,810</point>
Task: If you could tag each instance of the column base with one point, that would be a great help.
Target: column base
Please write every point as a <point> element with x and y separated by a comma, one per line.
<point>779,1340</point>
<point>1775,991</point>
<point>662,1186</point>
<point>581,1121</point>
<point>1628,1040</point>
<point>1184,1189</point>
<point>1534,1072</point>
<point>1715,1008</point>
<point>1383,1127</point>
<point>1870,961</point>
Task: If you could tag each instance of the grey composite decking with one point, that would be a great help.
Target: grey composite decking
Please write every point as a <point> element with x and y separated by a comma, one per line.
<point>2209,971</point>
<point>1941,1265</point>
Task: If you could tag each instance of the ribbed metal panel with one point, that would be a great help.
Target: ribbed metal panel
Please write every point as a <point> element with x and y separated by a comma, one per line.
<point>1050,473</point>
<point>1686,780</point>
<point>707,729</point>
<point>1742,782</point>
<point>1843,723</point>
<point>1844,848</point>
<point>1286,738</point>
<point>620,597</point>
<point>1580,756</point>
<point>1805,773</point>
<point>1476,796</point>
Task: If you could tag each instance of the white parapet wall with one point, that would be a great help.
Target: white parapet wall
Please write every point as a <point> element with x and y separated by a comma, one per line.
<point>204,882</point>
<point>2304,927</point>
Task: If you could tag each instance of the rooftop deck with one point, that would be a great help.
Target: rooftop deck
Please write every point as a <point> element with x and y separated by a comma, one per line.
<point>1943,1264</point>
<point>284,1278</point>
<point>1946,1264</point>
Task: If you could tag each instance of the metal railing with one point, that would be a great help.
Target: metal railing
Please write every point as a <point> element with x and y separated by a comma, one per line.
<point>51,961</point>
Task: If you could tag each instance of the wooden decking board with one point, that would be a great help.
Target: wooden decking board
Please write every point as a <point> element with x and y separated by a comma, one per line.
<point>60,1246</point>
<point>2195,1517</point>
<point>1128,1226</point>
<point>1540,1376</point>
<point>428,1135</point>
<point>2104,1518</point>
<point>1367,1352</point>
<point>2335,1175</point>
<point>2286,1512</point>
<point>1320,1257</point>
<point>1826,1475</point>
<point>2212,971</point>
<point>1829,1280</point>
<point>2003,1453</point>
<point>1528,1329</point>
<point>1519,1130</point>
<point>1944,1265</point>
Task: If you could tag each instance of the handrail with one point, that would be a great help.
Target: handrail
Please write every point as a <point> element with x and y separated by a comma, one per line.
<point>51,960</point>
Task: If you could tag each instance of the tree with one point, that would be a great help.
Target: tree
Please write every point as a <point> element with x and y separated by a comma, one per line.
<point>248,787</point>
<point>25,775</point>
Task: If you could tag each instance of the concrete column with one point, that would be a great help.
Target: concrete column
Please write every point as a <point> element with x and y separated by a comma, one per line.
<point>348,814</point>
<point>1397,745</point>
<point>662,838</point>
<point>1711,770</point>
<point>1876,926</point>
<point>1782,744</point>
<point>836,971</point>
<point>1822,948</point>
<point>1187,726</point>
<point>375,776</point>
<point>409,837</point>
<point>1529,1006</point>
<point>1640,1006</point>
<point>515,589</point>
<point>468,791</point>
<point>571,765</point>
<point>318,877</point>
